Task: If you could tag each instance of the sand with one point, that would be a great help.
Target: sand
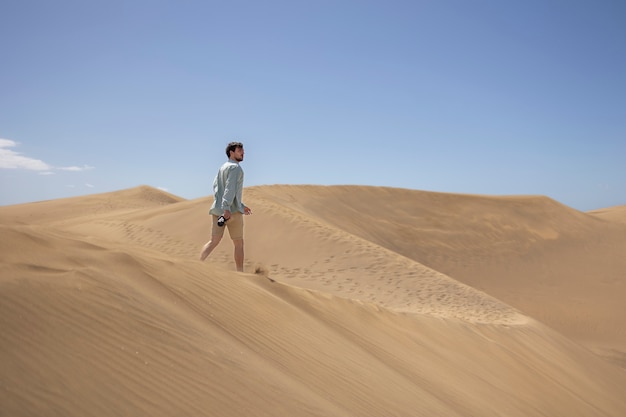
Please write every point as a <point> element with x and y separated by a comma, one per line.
<point>381,302</point>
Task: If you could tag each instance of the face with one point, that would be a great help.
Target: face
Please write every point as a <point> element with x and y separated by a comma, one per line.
<point>237,154</point>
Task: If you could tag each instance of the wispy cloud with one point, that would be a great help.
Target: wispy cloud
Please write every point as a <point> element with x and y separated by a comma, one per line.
<point>75,168</point>
<point>10,159</point>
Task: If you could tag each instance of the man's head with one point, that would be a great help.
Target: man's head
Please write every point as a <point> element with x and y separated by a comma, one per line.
<point>234,151</point>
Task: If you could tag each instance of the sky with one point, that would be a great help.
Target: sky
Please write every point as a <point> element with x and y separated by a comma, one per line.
<point>485,97</point>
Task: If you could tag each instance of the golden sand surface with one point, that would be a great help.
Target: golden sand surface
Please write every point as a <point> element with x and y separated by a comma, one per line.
<point>355,301</point>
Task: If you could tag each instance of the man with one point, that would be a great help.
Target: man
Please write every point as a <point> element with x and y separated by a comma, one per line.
<point>227,189</point>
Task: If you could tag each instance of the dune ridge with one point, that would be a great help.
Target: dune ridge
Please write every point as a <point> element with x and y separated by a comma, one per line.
<point>343,264</point>
<point>550,261</point>
<point>612,214</point>
<point>109,312</point>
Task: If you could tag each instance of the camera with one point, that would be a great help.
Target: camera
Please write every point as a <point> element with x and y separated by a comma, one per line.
<point>220,221</point>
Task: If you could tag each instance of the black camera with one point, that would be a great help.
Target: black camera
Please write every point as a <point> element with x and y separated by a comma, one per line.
<point>220,221</point>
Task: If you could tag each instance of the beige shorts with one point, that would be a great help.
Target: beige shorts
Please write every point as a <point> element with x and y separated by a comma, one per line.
<point>234,226</point>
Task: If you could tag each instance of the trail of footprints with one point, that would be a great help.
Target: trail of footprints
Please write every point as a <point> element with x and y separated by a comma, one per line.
<point>147,237</point>
<point>372,274</point>
<point>365,272</point>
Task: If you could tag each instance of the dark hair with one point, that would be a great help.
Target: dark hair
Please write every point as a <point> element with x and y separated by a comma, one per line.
<point>232,146</point>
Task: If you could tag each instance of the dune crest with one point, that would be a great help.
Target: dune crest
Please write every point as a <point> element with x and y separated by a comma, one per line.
<point>614,214</point>
<point>335,262</point>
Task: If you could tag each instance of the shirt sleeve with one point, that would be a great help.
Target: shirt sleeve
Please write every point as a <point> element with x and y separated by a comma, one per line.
<point>230,187</point>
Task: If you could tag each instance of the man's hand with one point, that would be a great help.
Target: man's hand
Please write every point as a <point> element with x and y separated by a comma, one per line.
<point>247,211</point>
<point>226,214</point>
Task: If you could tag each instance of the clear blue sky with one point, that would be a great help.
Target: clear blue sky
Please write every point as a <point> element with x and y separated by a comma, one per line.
<point>466,96</point>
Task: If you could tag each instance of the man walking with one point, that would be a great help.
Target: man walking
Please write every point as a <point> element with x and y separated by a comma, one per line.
<point>227,189</point>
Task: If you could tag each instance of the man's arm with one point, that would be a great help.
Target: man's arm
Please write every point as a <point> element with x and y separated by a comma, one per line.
<point>230,188</point>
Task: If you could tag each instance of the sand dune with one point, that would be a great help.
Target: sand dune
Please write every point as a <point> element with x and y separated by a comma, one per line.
<point>105,309</point>
<point>612,214</point>
<point>561,266</point>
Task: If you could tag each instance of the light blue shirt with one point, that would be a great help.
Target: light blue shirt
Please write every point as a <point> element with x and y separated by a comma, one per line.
<point>227,189</point>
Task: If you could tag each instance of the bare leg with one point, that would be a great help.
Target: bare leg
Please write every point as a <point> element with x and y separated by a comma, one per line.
<point>239,254</point>
<point>209,246</point>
